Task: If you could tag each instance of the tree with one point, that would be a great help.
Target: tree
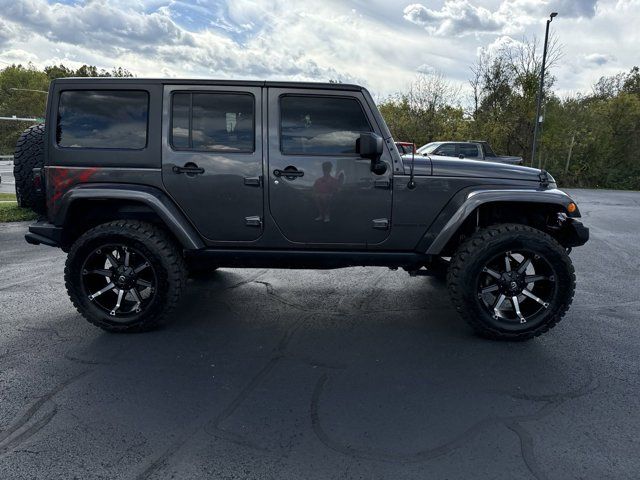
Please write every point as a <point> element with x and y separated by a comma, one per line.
<point>428,109</point>
<point>23,94</point>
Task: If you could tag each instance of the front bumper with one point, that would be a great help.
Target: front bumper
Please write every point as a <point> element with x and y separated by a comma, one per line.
<point>45,233</point>
<point>573,233</point>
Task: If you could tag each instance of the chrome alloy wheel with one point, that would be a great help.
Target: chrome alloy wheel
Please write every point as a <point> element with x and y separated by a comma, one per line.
<point>119,280</point>
<point>516,286</point>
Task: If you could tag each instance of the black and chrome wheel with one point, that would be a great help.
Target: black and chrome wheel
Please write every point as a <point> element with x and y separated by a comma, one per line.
<point>119,279</point>
<point>516,286</point>
<point>511,282</point>
<point>125,275</point>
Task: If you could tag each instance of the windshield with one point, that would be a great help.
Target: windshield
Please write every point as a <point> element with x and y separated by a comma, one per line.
<point>428,148</point>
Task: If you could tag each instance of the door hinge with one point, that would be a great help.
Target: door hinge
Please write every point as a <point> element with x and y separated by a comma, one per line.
<point>254,221</point>
<point>381,223</point>
<point>253,181</point>
<point>382,183</point>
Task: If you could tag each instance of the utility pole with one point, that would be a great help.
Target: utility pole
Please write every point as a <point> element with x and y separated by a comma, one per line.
<point>537,122</point>
<point>573,141</point>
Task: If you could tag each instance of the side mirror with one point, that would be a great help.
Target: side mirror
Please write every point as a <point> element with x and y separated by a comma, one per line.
<point>370,145</point>
<point>461,156</point>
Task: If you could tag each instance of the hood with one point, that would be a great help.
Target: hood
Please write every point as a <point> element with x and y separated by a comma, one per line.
<point>456,167</point>
<point>505,159</point>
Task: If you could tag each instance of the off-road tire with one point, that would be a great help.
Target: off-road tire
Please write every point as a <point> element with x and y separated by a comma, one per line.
<point>439,269</point>
<point>164,256</point>
<point>29,154</point>
<point>472,255</point>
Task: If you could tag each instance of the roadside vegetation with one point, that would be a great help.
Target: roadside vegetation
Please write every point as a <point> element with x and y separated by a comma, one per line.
<point>11,212</point>
<point>23,94</point>
<point>587,140</point>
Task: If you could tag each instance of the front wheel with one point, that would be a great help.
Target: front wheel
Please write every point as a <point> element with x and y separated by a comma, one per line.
<point>125,276</point>
<point>511,282</point>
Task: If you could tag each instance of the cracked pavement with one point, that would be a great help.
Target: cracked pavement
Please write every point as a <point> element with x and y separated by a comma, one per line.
<point>353,373</point>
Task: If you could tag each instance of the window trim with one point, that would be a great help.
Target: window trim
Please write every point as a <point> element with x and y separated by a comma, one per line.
<point>206,92</point>
<point>111,149</point>
<point>310,95</point>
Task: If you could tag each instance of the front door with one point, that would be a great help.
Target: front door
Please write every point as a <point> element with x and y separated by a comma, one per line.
<point>212,158</point>
<point>320,190</point>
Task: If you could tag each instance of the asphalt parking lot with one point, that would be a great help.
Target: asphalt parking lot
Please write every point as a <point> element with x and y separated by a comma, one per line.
<point>355,373</point>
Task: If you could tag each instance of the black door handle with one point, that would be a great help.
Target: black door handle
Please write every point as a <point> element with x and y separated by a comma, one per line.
<point>289,173</point>
<point>190,169</point>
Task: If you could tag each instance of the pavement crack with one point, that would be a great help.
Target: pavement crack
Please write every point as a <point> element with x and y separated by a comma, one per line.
<point>214,425</point>
<point>21,429</point>
<point>379,455</point>
<point>512,422</point>
<point>526,449</point>
<point>271,292</point>
<point>211,292</point>
<point>83,361</point>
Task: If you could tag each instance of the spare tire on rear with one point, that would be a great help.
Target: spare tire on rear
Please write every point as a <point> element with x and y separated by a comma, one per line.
<point>29,154</point>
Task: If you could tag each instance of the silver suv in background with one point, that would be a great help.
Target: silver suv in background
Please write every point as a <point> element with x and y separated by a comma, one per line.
<point>473,150</point>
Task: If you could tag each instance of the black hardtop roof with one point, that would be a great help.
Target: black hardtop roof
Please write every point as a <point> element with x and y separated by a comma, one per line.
<point>192,81</point>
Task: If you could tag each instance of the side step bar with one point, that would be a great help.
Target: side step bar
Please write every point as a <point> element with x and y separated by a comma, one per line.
<point>316,259</point>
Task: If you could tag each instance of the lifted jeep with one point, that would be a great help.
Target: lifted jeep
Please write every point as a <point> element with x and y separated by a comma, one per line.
<point>145,181</point>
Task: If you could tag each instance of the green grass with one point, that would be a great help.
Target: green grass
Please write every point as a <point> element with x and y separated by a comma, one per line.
<point>11,212</point>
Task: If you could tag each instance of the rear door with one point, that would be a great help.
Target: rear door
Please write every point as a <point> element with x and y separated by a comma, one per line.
<point>212,158</point>
<point>446,150</point>
<point>320,190</point>
<point>469,150</point>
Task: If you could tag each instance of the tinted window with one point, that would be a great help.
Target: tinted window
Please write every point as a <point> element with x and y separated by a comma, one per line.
<point>320,125</point>
<point>488,151</point>
<point>102,119</point>
<point>221,122</point>
<point>180,118</point>
<point>448,150</point>
<point>468,150</point>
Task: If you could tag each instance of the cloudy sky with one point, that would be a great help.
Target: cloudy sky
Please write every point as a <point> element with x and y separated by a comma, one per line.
<point>378,43</point>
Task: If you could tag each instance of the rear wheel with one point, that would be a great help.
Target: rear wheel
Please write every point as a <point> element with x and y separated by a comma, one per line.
<point>511,282</point>
<point>125,276</point>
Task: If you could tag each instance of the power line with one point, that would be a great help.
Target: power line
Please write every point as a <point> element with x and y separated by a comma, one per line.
<point>22,119</point>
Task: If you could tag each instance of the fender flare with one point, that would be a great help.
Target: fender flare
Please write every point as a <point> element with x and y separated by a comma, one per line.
<point>477,198</point>
<point>154,198</point>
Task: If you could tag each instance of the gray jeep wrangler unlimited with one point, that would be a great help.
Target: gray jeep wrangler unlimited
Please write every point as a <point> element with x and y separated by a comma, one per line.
<point>142,181</point>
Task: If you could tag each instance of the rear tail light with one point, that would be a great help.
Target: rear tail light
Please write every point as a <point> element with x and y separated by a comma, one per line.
<point>38,186</point>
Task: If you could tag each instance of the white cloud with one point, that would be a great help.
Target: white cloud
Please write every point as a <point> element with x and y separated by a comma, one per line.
<point>455,18</point>
<point>378,43</point>
<point>462,17</point>
<point>427,69</point>
<point>501,43</point>
<point>598,59</point>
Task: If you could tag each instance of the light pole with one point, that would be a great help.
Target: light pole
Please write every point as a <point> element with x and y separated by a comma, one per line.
<point>536,125</point>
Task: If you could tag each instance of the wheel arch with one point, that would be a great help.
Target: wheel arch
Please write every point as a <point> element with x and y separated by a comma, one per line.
<point>88,205</point>
<point>481,208</point>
